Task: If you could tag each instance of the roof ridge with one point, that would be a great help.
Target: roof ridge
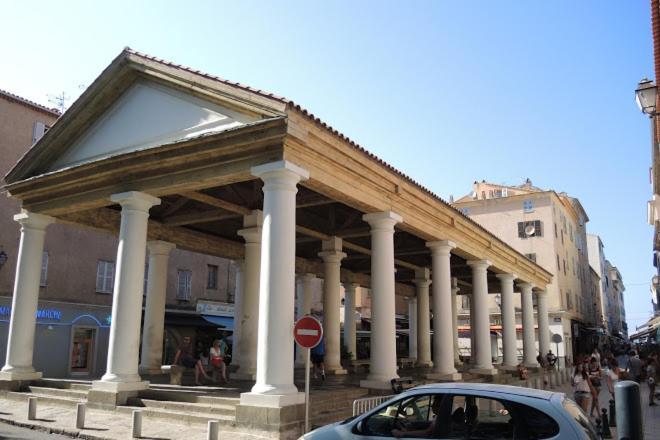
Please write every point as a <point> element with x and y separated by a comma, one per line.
<point>15,97</point>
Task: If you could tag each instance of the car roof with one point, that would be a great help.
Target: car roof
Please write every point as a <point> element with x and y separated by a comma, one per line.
<point>488,387</point>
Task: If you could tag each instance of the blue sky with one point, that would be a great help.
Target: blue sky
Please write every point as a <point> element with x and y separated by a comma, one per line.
<point>448,92</point>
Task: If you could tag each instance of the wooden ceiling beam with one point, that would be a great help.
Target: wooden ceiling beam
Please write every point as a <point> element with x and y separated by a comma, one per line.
<point>199,217</point>
<point>216,202</point>
<point>174,207</point>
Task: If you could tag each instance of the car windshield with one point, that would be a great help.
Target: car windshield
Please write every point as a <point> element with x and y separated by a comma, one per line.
<point>580,417</point>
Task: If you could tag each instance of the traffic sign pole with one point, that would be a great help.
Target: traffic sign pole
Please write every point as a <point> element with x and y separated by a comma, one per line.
<point>307,390</point>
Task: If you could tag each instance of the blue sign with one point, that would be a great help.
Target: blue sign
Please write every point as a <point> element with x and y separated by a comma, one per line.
<point>53,314</point>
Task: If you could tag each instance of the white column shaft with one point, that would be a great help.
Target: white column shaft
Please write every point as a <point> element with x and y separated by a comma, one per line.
<point>479,308</point>
<point>529,357</point>
<point>412,328</point>
<point>277,279</point>
<point>20,341</point>
<point>443,339</point>
<point>304,308</point>
<point>544,326</point>
<point>239,296</point>
<point>331,308</point>
<point>123,347</point>
<point>349,319</point>
<point>423,322</point>
<point>509,339</point>
<point>154,311</point>
<point>454,323</point>
<point>248,321</point>
<point>383,366</point>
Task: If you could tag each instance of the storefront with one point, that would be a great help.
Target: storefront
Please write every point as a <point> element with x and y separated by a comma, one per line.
<point>71,340</point>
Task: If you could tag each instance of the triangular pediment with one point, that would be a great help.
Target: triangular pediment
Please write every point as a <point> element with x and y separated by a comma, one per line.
<point>148,115</point>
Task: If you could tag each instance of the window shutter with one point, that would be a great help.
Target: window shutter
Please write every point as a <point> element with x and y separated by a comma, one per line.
<point>188,284</point>
<point>44,269</point>
<point>521,230</point>
<point>537,227</point>
<point>100,276</point>
<point>38,130</point>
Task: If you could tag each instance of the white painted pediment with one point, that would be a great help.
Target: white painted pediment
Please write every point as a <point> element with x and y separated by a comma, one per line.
<point>146,116</point>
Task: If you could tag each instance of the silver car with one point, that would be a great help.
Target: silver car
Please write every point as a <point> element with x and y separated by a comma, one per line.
<point>466,411</point>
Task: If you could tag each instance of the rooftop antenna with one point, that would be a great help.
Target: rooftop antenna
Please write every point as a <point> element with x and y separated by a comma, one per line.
<point>60,101</point>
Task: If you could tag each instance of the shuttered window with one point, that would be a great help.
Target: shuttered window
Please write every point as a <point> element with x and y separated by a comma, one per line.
<point>105,276</point>
<point>532,228</point>
<point>212,277</point>
<point>44,269</point>
<point>184,285</point>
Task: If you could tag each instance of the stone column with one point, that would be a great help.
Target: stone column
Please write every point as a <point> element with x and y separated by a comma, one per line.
<point>22,324</point>
<point>122,369</point>
<point>151,356</point>
<point>480,326</point>
<point>423,282</point>
<point>332,255</point>
<point>509,339</point>
<point>239,294</point>
<point>304,308</point>
<point>383,326</point>
<point>443,339</point>
<point>542,318</point>
<point>412,327</point>
<point>349,318</point>
<point>529,350</point>
<point>274,385</point>
<point>454,320</point>
<point>248,319</point>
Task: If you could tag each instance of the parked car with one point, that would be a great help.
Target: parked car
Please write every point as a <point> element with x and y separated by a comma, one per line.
<point>466,411</point>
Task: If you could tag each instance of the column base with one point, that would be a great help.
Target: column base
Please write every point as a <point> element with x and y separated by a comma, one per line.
<point>15,375</point>
<point>151,371</point>
<point>271,400</point>
<point>445,377</point>
<point>117,387</point>
<point>245,375</point>
<point>277,422</point>
<point>424,364</point>
<point>484,371</point>
<point>337,371</point>
<point>109,395</point>
<point>507,368</point>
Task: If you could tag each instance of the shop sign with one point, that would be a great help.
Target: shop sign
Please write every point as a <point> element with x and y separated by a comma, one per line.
<point>215,308</point>
<point>54,314</point>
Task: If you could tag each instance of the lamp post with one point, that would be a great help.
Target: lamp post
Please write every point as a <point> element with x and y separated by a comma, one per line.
<point>645,95</point>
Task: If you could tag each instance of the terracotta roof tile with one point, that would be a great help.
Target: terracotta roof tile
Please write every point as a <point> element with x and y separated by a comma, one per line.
<point>27,102</point>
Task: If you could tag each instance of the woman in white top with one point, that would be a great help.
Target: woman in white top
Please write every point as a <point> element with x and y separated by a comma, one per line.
<point>582,387</point>
<point>613,375</point>
<point>217,355</point>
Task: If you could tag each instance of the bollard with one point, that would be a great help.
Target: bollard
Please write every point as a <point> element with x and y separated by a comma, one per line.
<point>613,411</point>
<point>80,415</point>
<point>605,428</point>
<point>32,408</point>
<point>212,433</point>
<point>629,423</point>
<point>136,424</point>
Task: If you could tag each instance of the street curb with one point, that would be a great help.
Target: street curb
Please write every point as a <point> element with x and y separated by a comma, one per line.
<point>47,430</point>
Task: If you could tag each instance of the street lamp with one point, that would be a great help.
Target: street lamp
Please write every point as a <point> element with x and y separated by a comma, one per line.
<point>645,96</point>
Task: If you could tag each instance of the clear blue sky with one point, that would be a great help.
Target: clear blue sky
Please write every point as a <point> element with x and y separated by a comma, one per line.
<point>448,92</point>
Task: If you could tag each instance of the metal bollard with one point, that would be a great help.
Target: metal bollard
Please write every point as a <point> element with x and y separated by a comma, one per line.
<point>605,427</point>
<point>212,433</point>
<point>80,415</point>
<point>628,411</point>
<point>136,424</point>
<point>613,411</point>
<point>32,408</point>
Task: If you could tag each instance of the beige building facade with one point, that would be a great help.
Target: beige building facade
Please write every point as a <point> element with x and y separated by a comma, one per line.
<point>550,229</point>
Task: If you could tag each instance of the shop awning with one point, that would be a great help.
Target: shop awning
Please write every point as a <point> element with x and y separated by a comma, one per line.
<point>226,322</point>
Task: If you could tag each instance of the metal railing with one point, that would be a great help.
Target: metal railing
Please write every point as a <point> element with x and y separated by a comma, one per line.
<point>360,406</point>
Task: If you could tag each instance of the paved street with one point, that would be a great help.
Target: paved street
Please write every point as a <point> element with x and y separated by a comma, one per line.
<point>10,432</point>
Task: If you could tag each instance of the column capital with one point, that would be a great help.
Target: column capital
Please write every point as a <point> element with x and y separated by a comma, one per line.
<point>250,235</point>
<point>422,277</point>
<point>525,286</point>
<point>382,220</point>
<point>32,220</point>
<point>306,276</point>
<point>479,264</point>
<point>506,276</point>
<point>440,247</point>
<point>254,219</point>
<point>332,256</point>
<point>410,299</point>
<point>282,174</point>
<point>159,247</point>
<point>351,287</point>
<point>135,200</point>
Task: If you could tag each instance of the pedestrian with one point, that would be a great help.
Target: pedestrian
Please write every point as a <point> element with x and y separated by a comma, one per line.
<point>581,386</point>
<point>184,356</point>
<point>551,358</point>
<point>613,375</point>
<point>318,358</point>
<point>651,376</point>
<point>217,355</point>
<point>596,354</point>
<point>634,367</point>
<point>595,376</point>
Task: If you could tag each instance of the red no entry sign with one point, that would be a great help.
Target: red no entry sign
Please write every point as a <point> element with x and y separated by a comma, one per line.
<point>308,332</point>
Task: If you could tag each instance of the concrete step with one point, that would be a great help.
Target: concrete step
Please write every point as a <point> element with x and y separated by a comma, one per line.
<point>199,418</point>
<point>190,397</point>
<point>184,407</point>
<point>59,392</point>
<point>44,398</point>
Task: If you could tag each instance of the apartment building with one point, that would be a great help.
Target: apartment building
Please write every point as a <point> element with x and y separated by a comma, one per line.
<point>77,282</point>
<point>550,229</point>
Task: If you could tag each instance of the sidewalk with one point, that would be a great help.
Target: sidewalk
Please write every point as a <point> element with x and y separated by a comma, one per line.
<point>650,414</point>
